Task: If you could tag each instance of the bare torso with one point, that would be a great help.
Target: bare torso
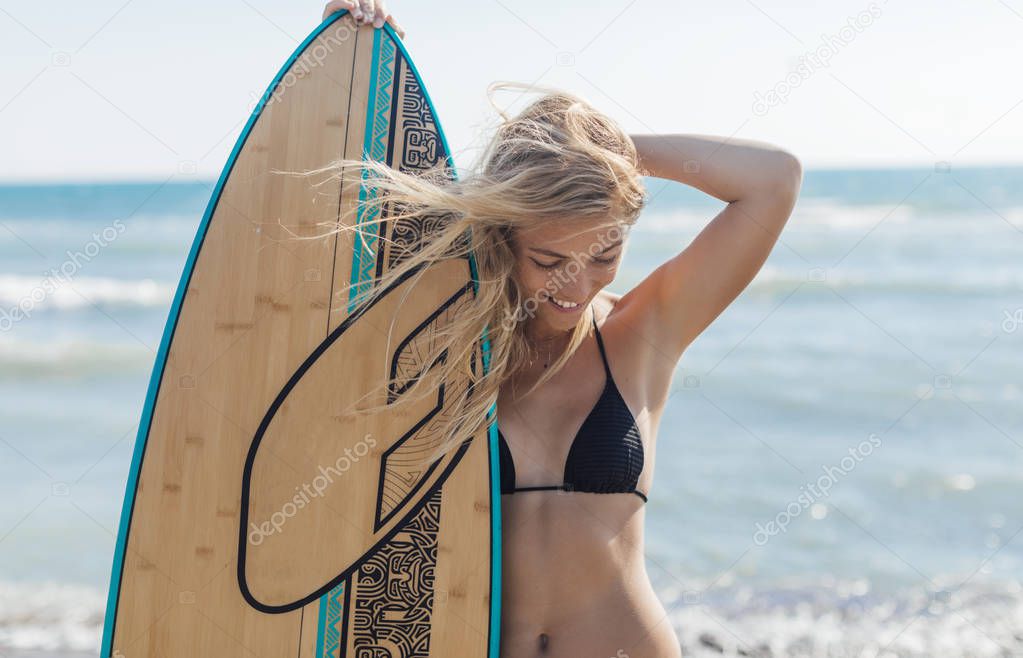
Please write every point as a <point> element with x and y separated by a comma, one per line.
<point>574,577</point>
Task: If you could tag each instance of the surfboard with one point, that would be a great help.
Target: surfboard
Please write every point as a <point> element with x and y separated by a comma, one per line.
<point>258,518</point>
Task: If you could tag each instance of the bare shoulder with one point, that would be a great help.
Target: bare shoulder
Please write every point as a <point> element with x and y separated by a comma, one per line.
<point>642,373</point>
<point>627,317</point>
<point>613,316</point>
<point>610,302</point>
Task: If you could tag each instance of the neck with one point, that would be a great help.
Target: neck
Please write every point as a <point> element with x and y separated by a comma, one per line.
<point>543,336</point>
<point>545,339</point>
<point>544,347</point>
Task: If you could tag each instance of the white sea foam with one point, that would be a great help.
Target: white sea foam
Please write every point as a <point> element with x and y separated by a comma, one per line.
<point>828,619</point>
<point>50,617</point>
<point>20,289</point>
<point>985,281</point>
<point>822,212</point>
<point>844,619</point>
<point>27,359</point>
<point>809,212</point>
<point>833,214</point>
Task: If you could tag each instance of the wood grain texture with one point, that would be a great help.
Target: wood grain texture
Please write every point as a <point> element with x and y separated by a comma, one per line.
<point>263,521</point>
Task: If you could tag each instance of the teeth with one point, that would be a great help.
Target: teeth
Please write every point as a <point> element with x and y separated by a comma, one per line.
<point>563,304</point>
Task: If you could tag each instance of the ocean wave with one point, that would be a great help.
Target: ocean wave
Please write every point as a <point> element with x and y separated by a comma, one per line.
<point>37,292</point>
<point>70,357</point>
<point>837,215</point>
<point>824,212</point>
<point>50,617</point>
<point>59,227</point>
<point>840,619</point>
<point>985,280</point>
<point>828,618</point>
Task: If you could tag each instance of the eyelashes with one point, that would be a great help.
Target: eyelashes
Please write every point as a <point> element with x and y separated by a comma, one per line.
<point>557,264</point>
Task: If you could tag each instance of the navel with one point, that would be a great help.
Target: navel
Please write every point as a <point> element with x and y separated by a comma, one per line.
<point>543,641</point>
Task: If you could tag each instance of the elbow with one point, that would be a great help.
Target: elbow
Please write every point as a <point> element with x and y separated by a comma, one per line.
<point>794,170</point>
<point>778,175</point>
<point>789,175</point>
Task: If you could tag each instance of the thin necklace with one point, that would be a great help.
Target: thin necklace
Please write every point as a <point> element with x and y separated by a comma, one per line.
<point>547,360</point>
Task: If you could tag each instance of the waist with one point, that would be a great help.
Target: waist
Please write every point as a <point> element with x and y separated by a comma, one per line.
<point>563,550</point>
<point>586,623</point>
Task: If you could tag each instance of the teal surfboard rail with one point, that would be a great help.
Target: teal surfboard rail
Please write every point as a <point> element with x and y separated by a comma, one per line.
<point>145,423</point>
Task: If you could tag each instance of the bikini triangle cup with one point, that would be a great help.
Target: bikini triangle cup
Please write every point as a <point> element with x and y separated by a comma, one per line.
<point>606,455</point>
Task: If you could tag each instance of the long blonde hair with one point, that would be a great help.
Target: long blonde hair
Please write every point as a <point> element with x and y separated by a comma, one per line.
<point>558,160</point>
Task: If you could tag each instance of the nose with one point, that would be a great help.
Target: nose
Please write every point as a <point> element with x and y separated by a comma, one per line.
<point>575,294</point>
<point>576,286</point>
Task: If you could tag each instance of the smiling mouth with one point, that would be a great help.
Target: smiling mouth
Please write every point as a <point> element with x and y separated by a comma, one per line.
<point>563,305</point>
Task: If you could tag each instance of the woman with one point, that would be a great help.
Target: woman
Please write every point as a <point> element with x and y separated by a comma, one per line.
<point>581,375</point>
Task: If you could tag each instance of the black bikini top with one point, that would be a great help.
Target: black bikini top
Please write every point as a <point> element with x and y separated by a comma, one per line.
<point>606,455</point>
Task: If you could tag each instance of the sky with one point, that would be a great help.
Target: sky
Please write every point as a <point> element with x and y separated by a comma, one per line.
<point>144,90</point>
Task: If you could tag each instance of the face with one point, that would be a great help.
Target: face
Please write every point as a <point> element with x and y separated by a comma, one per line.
<point>561,268</point>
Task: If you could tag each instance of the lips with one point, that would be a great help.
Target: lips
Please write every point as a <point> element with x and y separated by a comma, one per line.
<point>563,309</point>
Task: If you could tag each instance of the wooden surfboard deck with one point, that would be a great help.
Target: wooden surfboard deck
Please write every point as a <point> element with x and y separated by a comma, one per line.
<point>258,519</point>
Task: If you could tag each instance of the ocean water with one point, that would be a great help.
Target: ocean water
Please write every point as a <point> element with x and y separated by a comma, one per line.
<point>839,468</point>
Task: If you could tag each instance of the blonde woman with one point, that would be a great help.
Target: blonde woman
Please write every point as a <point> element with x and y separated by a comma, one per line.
<point>580,374</point>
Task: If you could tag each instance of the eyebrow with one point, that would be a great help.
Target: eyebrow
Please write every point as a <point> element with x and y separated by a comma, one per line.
<point>548,252</point>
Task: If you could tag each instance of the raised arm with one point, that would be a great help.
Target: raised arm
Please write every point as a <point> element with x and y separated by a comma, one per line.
<point>760,182</point>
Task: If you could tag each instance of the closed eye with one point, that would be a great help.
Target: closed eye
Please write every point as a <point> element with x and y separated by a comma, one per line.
<point>557,263</point>
<point>546,266</point>
<point>609,259</point>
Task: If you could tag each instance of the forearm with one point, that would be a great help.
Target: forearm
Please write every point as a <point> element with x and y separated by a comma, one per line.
<point>728,169</point>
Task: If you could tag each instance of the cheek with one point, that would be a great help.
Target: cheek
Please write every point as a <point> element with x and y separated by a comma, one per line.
<point>605,274</point>
<point>530,279</point>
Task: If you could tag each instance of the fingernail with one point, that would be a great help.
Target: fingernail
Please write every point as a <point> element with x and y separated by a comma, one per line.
<point>357,14</point>
<point>379,22</point>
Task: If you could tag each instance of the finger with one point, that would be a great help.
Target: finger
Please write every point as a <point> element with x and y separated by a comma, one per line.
<point>353,8</point>
<point>397,28</point>
<point>384,16</point>
<point>379,14</point>
<point>336,6</point>
<point>368,11</point>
